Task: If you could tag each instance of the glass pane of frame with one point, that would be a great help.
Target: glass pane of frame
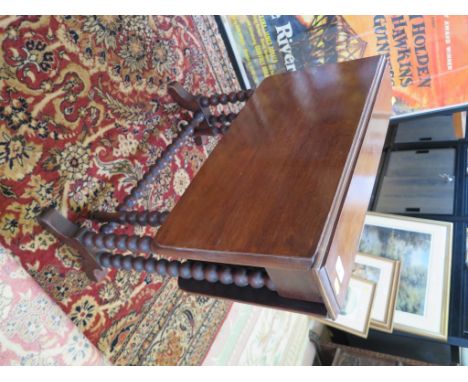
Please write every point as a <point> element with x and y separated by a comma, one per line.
<point>429,129</point>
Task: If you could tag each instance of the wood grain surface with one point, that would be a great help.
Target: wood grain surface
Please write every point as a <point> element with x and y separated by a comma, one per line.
<point>289,184</point>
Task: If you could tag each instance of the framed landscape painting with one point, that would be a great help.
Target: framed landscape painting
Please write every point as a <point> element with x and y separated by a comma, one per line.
<point>354,317</point>
<point>385,273</point>
<point>424,248</point>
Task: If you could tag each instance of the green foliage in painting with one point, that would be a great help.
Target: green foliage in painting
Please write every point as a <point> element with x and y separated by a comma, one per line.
<point>413,250</point>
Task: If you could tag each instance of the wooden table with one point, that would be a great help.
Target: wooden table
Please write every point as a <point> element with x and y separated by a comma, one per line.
<point>287,188</point>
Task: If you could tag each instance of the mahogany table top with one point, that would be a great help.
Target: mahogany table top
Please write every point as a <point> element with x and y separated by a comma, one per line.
<point>270,192</point>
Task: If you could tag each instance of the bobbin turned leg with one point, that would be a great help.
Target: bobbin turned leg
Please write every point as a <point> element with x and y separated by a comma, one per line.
<point>212,124</point>
<point>154,170</point>
<point>197,102</point>
<point>224,99</point>
<point>92,247</point>
<point>200,271</point>
<point>226,274</point>
<point>142,218</point>
<point>219,124</point>
<point>70,234</point>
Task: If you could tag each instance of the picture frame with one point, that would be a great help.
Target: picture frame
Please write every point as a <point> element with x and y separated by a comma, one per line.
<point>385,273</point>
<point>424,248</point>
<point>354,318</point>
<point>236,57</point>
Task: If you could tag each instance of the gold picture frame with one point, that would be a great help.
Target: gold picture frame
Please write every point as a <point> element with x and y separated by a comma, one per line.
<point>355,316</point>
<point>385,273</point>
<point>424,248</point>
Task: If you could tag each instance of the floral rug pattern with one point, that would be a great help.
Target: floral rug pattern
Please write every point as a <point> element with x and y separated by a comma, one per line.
<point>33,329</point>
<point>84,111</point>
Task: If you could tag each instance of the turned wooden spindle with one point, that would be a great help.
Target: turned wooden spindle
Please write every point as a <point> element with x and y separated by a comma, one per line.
<point>213,273</point>
<point>240,276</point>
<point>224,99</point>
<point>202,104</point>
<point>153,171</point>
<point>222,118</point>
<point>110,241</point>
<point>219,124</point>
<point>143,218</point>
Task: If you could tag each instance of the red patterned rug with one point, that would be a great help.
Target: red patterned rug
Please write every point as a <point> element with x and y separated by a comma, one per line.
<point>83,112</point>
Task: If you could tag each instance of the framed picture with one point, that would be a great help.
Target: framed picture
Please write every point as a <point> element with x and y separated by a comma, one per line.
<point>354,318</point>
<point>424,248</point>
<point>385,273</point>
<point>231,38</point>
